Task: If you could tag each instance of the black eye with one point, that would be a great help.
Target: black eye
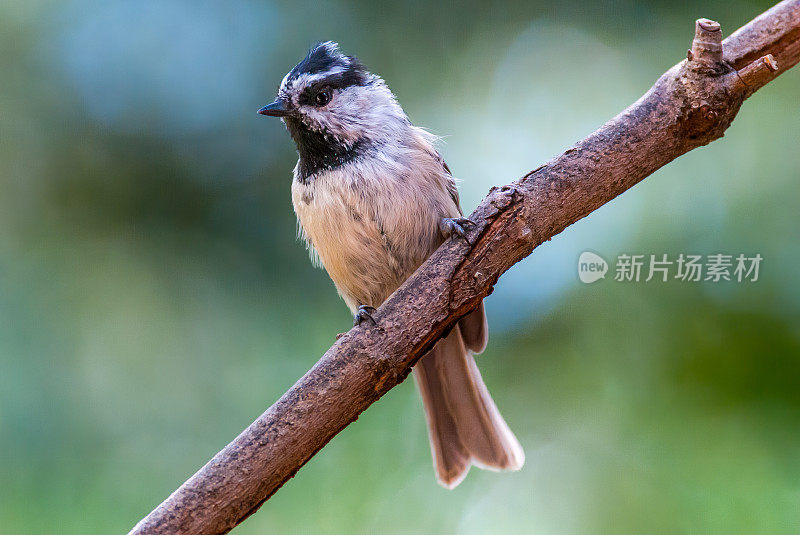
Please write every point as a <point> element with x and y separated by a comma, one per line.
<point>322,98</point>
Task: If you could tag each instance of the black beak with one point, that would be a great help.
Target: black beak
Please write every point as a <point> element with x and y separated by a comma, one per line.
<point>276,109</point>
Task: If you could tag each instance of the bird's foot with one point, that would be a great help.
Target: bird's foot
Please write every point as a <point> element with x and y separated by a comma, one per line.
<point>364,312</point>
<point>450,226</point>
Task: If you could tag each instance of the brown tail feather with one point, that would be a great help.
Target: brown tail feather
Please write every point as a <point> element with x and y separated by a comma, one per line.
<point>464,424</point>
<point>474,330</point>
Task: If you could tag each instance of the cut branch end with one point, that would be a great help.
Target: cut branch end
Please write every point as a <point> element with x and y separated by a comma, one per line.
<point>707,43</point>
<point>754,75</point>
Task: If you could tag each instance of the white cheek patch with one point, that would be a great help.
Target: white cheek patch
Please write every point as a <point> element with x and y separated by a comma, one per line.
<point>354,113</point>
<point>315,119</point>
<point>365,112</point>
<point>349,116</point>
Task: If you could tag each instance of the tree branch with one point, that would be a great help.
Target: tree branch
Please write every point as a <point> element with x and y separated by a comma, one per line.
<point>691,105</point>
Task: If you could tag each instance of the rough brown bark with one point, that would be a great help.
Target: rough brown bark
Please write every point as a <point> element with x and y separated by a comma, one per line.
<point>691,105</point>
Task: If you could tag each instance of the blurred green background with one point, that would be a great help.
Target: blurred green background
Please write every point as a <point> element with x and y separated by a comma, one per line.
<point>154,299</point>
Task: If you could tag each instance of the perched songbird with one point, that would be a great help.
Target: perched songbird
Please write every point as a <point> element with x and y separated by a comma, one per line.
<point>374,199</point>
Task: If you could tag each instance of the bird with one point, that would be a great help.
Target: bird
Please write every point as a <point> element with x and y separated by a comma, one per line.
<point>374,199</point>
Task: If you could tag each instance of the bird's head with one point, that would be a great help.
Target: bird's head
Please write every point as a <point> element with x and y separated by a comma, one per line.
<point>329,101</point>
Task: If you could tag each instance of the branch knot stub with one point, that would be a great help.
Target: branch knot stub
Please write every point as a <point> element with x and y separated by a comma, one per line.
<point>707,44</point>
<point>503,197</point>
<point>708,82</point>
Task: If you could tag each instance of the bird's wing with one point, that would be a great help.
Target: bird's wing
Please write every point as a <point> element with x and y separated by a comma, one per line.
<point>451,185</point>
<point>474,328</point>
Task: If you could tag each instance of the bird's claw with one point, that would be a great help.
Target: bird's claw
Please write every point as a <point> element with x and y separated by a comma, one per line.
<point>450,226</point>
<point>364,312</point>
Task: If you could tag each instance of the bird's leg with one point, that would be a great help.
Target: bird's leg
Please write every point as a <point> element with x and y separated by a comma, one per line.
<point>364,312</point>
<point>449,226</point>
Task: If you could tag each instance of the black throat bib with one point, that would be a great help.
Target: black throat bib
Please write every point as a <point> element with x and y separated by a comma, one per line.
<point>319,151</point>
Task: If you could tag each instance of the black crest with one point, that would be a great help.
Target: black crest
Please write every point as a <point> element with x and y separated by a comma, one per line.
<point>326,57</point>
